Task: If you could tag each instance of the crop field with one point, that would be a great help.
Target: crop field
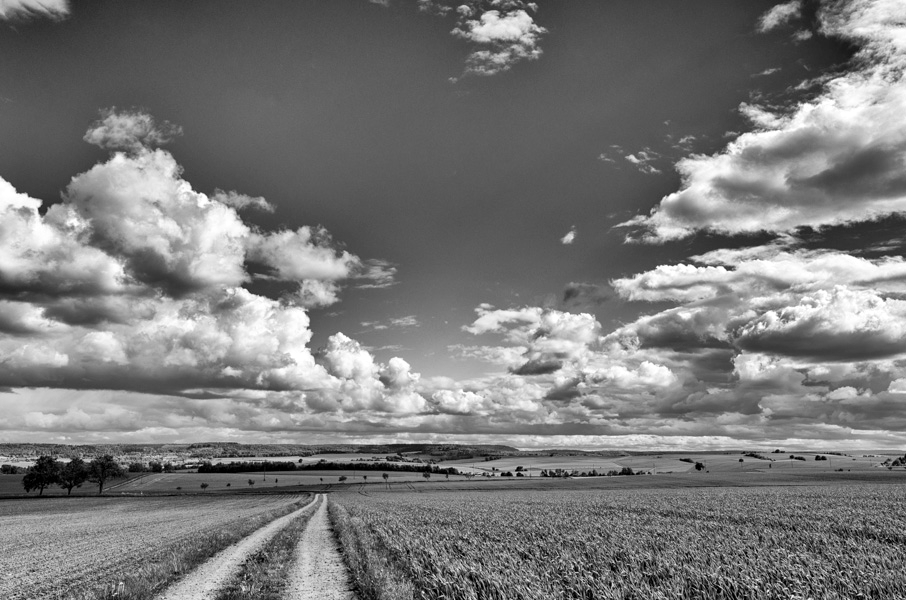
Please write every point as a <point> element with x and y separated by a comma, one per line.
<point>54,546</point>
<point>832,541</point>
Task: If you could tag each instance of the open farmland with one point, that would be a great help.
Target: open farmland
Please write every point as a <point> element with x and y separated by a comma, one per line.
<point>57,546</point>
<point>835,541</point>
<point>219,482</point>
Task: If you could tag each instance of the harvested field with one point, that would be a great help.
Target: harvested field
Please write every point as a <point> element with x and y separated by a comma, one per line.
<point>55,548</point>
<point>834,541</point>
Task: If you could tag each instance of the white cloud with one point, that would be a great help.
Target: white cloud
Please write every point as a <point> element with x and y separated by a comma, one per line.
<point>507,37</point>
<point>130,130</point>
<point>55,9</point>
<point>135,282</point>
<point>780,15</point>
<point>239,201</point>
<point>834,159</point>
<point>570,237</point>
<point>376,274</point>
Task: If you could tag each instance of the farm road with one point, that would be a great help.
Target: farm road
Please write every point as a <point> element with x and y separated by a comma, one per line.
<point>318,572</point>
<point>205,581</point>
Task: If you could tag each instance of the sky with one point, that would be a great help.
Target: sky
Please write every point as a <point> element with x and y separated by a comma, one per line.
<point>664,225</point>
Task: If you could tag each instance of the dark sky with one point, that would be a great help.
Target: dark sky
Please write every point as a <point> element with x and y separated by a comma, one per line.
<point>460,174</point>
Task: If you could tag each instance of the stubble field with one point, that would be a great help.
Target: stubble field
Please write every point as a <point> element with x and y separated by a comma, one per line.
<point>57,547</point>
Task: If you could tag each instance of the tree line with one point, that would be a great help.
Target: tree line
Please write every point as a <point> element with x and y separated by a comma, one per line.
<point>245,467</point>
<point>48,471</point>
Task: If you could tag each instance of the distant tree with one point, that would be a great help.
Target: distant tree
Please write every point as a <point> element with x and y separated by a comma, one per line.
<point>365,477</point>
<point>104,468</point>
<point>342,478</point>
<point>699,466</point>
<point>45,472</point>
<point>426,475</point>
<point>168,467</point>
<point>251,482</point>
<point>229,484</point>
<point>10,470</point>
<point>136,467</point>
<point>204,486</point>
<point>386,477</point>
<point>277,481</point>
<point>73,474</point>
<point>155,467</point>
<point>741,460</point>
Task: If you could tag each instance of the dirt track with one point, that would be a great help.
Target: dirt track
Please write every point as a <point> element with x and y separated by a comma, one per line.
<point>205,581</point>
<point>318,572</point>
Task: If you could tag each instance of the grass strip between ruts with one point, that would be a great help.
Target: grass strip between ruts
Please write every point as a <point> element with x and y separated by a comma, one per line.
<point>149,578</point>
<point>374,574</point>
<point>263,575</point>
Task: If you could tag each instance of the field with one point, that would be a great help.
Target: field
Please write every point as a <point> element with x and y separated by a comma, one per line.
<point>55,545</point>
<point>835,540</point>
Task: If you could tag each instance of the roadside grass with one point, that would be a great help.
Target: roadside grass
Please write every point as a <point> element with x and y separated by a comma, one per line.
<point>263,576</point>
<point>374,574</point>
<point>154,574</point>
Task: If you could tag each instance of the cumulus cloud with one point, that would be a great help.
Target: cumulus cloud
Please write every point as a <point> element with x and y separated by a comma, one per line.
<point>836,158</point>
<point>505,35</point>
<point>55,9</point>
<point>779,15</point>
<point>136,281</point>
<point>130,130</point>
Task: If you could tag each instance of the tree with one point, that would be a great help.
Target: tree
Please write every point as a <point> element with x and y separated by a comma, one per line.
<point>104,468</point>
<point>426,475</point>
<point>204,486</point>
<point>251,482</point>
<point>44,472</point>
<point>155,467</point>
<point>136,467</point>
<point>342,478</point>
<point>73,474</point>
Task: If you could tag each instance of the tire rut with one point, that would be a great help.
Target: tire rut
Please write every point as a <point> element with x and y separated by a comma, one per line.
<point>318,571</point>
<point>206,580</point>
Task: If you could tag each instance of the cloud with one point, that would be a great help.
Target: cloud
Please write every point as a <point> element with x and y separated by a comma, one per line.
<point>834,159</point>
<point>242,201</point>
<point>376,274</point>
<point>585,295</point>
<point>570,237</point>
<point>130,130</point>
<point>12,9</point>
<point>136,282</point>
<point>643,160</point>
<point>779,15</point>
<point>407,321</point>
<point>504,37</point>
<point>396,322</point>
